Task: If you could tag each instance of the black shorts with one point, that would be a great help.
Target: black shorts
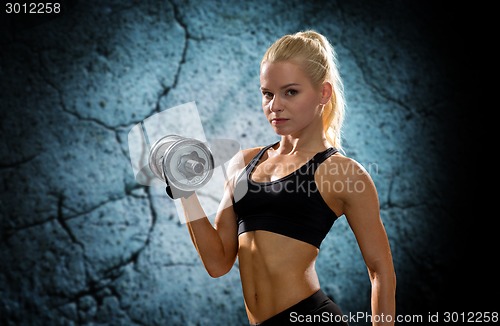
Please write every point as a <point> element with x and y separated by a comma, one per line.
<point>318,309</point>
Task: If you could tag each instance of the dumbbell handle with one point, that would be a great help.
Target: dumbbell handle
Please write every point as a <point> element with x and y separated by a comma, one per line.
<point>194,167</point>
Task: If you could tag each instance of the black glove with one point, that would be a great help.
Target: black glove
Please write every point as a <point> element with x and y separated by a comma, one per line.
<point>176,193</point>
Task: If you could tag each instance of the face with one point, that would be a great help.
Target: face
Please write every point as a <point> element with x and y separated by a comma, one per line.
<point>291,103</point>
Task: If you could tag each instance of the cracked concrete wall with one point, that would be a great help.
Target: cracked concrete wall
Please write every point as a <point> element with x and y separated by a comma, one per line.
<point>83,243</point>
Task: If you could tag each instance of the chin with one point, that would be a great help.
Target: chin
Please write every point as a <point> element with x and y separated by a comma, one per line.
<point>281,132</point>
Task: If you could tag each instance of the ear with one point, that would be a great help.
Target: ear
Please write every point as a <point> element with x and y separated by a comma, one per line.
<point>326,92</point>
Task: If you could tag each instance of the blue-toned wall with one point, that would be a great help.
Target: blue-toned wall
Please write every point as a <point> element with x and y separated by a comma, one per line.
<point>82,243</point>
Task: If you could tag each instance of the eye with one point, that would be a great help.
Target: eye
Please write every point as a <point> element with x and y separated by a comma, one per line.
<point>267,95</point>
<point>291,92</point>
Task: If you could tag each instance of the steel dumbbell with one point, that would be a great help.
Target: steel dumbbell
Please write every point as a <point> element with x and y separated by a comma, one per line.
<point>186,163</point>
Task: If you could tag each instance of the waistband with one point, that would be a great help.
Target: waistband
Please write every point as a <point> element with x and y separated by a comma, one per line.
<point>307,305</point>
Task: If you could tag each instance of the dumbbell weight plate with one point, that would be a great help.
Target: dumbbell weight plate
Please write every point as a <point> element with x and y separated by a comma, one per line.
<point>157,153</point>
<point>177,153</point>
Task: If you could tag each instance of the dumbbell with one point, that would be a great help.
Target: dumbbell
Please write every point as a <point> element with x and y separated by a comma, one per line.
<point>184,164</point>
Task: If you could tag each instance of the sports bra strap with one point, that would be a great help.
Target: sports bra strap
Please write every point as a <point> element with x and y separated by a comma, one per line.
<point>320,158</point>
<point>257,157</point>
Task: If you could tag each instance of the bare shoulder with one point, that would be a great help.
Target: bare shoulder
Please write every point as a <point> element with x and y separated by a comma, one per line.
<point>346,186</point>
<point>341,166</point>
<point>345,174</point>
<point>241,159</point>
<point>249,153</point>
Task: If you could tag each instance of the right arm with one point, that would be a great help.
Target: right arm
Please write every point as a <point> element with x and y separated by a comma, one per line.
<point>217,245</point>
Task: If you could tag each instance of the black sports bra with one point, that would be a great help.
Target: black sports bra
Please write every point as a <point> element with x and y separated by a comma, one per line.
<point>291,206</point>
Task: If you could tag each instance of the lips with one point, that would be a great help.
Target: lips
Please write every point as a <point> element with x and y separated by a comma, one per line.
<point>277,121</point>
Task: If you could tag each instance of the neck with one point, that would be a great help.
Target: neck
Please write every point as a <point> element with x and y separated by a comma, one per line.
<point>311,140</point>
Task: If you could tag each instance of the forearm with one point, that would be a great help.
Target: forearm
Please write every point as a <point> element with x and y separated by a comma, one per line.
<point>205,237</point>
<point>383,300</point>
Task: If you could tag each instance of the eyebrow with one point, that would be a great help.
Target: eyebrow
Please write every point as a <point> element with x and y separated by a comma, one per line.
<point>282,87</point>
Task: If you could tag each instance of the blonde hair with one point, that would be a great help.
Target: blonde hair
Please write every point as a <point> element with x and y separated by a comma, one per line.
<point>315,53</point>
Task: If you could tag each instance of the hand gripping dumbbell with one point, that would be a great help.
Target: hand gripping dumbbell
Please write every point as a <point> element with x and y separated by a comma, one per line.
<point>185,164</point>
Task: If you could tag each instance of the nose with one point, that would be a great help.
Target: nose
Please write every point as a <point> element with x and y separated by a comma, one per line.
<point>275,105</point>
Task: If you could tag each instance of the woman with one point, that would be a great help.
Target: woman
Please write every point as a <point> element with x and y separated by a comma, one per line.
<point>293,192</point>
